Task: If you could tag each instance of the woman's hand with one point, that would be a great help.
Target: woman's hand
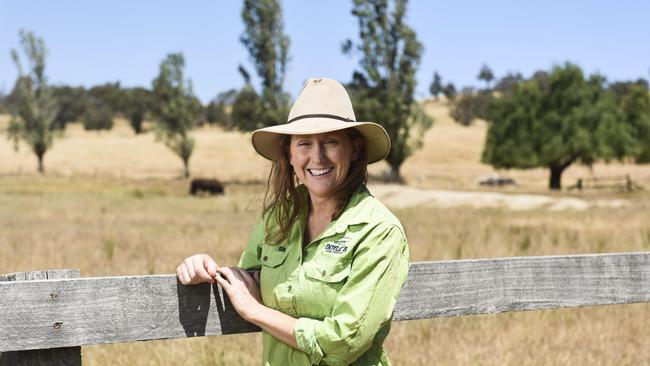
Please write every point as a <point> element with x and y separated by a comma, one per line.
<point>197,269</point>
<point>242,288</point>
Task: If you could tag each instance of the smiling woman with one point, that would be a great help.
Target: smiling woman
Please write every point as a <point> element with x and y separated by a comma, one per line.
<point>326,261</point>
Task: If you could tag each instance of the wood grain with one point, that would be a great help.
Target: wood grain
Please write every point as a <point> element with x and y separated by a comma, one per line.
<point>124,309</point>
<point>66,356</point>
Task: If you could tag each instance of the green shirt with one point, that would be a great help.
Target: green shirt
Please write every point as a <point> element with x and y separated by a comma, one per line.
<point>342,286</point>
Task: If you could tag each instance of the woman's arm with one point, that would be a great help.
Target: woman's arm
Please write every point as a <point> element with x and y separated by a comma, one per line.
<point>244,294</point>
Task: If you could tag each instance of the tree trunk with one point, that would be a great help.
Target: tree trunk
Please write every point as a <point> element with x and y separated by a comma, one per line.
<point>41,169</point>
<point>187,168</point>
<point>555,181</point>
<point>392,174</point>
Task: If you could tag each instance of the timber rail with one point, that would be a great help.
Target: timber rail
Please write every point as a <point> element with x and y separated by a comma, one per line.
<point>45,316</point>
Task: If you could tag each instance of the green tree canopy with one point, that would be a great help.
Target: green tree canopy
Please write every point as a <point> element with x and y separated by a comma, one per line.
<point>246,109</point>
<point>383,88</point>
<point>218,110</point>
<point>450,92</point>
<point>175,107</point>
<point>33,121</point>
<point>268,48</point>
<point>71,102</point>
<point>634,102</point>
<point>559,118</point>
<point>98,116</point>
<point>111,95</point>
<point>470,105</point>
<point>138,102</point>
<point>506,83</point>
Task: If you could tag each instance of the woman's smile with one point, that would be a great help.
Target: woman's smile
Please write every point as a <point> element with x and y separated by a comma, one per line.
<point>320,172</point>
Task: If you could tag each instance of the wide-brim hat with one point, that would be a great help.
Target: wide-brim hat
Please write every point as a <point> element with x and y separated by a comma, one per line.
<point>322,106</point>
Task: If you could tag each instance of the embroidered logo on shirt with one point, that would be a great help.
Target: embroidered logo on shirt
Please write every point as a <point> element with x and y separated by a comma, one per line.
<point>337,247</point>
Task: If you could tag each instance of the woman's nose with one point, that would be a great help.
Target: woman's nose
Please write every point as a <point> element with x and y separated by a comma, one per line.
<point>318,154</point>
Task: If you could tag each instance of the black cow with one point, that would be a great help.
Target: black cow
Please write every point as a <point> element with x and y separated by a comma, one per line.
<point>211,186</point>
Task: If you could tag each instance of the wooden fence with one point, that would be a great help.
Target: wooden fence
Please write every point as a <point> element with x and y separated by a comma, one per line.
<point>620,183</point>
<point>45,316</point>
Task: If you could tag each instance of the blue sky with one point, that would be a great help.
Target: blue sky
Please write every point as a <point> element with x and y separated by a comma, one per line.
<point>92,42</point>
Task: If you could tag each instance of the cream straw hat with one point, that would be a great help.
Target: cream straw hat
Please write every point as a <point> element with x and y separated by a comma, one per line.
<point>322,106</point>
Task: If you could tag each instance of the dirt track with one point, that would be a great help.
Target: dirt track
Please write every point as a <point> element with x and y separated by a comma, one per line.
<point>397,196</point>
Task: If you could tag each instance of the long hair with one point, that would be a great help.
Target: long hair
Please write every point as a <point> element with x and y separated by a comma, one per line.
<point>284,201</point>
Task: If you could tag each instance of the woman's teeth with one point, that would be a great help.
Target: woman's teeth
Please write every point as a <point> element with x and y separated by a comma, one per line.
<point>317,172</point>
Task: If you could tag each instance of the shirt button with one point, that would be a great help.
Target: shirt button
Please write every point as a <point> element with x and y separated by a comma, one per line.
<point>323,273</point>
<point>265,258</point>
<point>289,288</point>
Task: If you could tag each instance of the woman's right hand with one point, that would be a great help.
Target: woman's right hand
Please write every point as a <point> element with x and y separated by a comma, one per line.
<point>197,269</point>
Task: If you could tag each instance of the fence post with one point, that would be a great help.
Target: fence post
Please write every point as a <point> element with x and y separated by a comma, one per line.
<point>68,356</point>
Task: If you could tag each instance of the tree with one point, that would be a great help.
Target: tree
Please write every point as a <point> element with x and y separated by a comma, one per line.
<point>486,75</point>
<point>470,105</point>
<point>98,116</point>
<point>557,120</point>
<point>110,95</point>
<point>268,48</point>
<point>3,101</point>
<point>634,101</point>
<point>246,109</point>
<point>508,82</point>
<point>34,119</point>
<point>137,105</point>
<point>175,108</point>
<point>436,86</point>
<point>383,89</point>
<point>450,92</point>
<point>216,111</point>
<point>71,102</point>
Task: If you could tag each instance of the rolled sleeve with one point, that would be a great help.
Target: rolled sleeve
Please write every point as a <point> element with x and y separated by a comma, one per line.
<point>306,339</point>
<point>365,303</point>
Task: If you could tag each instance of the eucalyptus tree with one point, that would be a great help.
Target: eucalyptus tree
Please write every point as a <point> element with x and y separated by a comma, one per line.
<point>34,116</point>
<point>176,108</point>
<point>384,85</point>
<point>268,48</point>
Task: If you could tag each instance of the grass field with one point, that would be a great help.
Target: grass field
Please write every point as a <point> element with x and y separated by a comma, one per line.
<point>112,203</point>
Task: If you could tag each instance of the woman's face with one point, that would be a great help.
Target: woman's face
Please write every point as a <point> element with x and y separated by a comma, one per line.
<point>322,161</point>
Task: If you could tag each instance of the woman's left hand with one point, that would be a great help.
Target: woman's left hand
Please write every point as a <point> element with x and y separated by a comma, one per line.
<point>242,288</point>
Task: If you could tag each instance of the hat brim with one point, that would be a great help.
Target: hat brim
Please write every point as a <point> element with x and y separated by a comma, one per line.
<point>266,140</point>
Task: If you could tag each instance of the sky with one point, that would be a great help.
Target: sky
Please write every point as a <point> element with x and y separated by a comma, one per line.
<point>94,42</point>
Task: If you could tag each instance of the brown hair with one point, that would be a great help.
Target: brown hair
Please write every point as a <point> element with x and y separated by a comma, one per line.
<point>283,200</point>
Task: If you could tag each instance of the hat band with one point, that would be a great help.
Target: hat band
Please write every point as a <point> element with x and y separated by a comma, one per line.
<point>321,116</point>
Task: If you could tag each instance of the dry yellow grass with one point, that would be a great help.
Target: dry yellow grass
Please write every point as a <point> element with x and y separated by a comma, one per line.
<point>112,204</point>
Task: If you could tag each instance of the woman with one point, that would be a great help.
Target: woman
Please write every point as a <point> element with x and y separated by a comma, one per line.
<point>331,258</point>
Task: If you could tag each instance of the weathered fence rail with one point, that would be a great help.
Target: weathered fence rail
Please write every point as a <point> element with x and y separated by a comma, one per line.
<point>38,314</point>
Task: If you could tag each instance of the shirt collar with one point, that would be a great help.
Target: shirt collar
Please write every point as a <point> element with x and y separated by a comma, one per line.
<point>354,213</point>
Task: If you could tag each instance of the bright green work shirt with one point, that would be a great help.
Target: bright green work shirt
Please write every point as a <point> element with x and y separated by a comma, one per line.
<point>342,287</point>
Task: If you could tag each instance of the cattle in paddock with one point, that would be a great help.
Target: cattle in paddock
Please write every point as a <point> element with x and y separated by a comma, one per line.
<point>210,186</point>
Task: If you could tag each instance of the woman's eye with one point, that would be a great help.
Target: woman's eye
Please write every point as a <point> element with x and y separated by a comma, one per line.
<point>330,142</point>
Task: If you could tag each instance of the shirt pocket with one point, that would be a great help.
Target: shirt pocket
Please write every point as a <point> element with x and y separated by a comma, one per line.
<point>329,270</point>
<point>271,255</point>
<point>323,280</point>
